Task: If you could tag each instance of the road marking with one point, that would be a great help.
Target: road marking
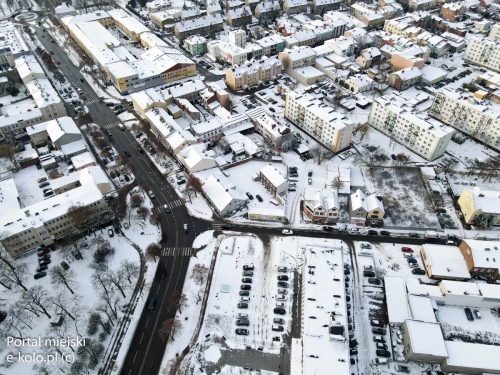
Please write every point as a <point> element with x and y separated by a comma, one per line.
<point>135,355</point>
<point>172,204</point>
<point>216,226</point>
<point>91,101</point>
<point>110,126</point>
<point>141,337</point>
<point>177,251</point>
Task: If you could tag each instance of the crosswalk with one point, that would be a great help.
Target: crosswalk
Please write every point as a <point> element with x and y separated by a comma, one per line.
<point>91,101</point>
<point>112,125</point>
<point>177,251</point>
<point>217,226</point>
<point>173,204</point>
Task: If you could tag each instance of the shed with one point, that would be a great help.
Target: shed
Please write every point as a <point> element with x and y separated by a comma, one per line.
<point>428,173</point>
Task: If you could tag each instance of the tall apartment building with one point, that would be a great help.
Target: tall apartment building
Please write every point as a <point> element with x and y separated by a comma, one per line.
<point>483,51</point>
<point>330,128</point>
<point>253,74</point>
<point>468,114</point>
<point>396,117</point>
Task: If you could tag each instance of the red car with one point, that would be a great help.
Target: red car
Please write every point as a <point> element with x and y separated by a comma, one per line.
<point>405,249</point>
<point>43,251</point>
<point>58,62</point>
<point>44,262</point>
<point>377,323</point>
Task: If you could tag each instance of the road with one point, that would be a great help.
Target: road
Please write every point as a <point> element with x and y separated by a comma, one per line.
<point>146,351</point>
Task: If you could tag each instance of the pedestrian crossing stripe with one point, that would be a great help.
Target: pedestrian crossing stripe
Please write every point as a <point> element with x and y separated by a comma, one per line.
<point>113,125</point>
<point>173,204</point>
<point>217,226</point>
<point>92,101</point>
<point>179,251</point>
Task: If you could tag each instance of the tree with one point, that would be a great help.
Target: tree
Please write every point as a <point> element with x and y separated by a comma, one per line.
<point>80,215</point>
<point>104,249</point>
<point>155,219</point>
<point>337,183</point>
<point>372,157</point>
<point>169,327</point>
<point>482,221</point>
<point>153,251</point>
<point>178,301</point>
<point>16,275</point>
<point>6,151</point>
<point>401,159</point>
<point>319,153</point>
<point>448,165</point>
<point>36,301</point>
<point>188,193</point>
<point>69,304</point>
<point>363,130</point>
<point>117,278</point>
<point>129,269</point>
<point>84,118</point>
<point>194,183</point>
<point>199,273</point>
<point>137,200</point>
<point>143,212</point>
<point>61,277</point>
<point>12,90</point>
<point>100,282</point>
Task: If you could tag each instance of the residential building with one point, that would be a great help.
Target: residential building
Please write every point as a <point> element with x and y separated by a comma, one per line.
<point>239,17</point>
<point>100,16</point>
<point>234,4</point>
<point>359,83</point>
<point>321,206</point>
<point>197,158</point>
<point>342,46</point>
<point>271,45</point>
<point>475,202</point>
<point>468,114</point>
<point>169,63</point>
<point>203,25</point>
<point>28,68</point>
<point>252,4</point>
<point>305,37</point>
<point>195,45</point>
<point>253,74</point>
<point>398,25</point>
<point>494,32</point>
<point>214,8</point>
<point>47,221</point>
<point>297,58</point>
<point>295,6</point>
<point>432,75</point>
<point>130,26</point>
<point>481,258</point>
<point>371,205</point>
<point>190,14</point>
<point>207,131</point>
<point>272,131</point>
<point>273,180</point>
<point>323,33</point>
<point>483,51</point>
<point>403,79</point>
<point>129,77</point>
<point>150,40</point>
<point>372,20</point>
<point>368,57</point>
<point>418,5</point>
<point>144,100</point>
<point>46,98</point>
<point>238,37</point>
<point>87,176</point>
<point>396,117</point>
<point>407,59</point>
<point>240,144</point>
<point>165,19</point>
<point>64,9</point>
<point>12,45</point>
<point>330,128</point>
<point>453,12</point>
<point>156,5</point>
<point>322,6</point>
<point>17,117</point>
<point>57,133</point>
<point>267,10</point>
<point>416,349</point>
<point>227,51</point>
<point>444,262</point>
<point>188,90</point>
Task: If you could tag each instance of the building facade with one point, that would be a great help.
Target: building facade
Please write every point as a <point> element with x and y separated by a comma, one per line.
<point>483,51</point>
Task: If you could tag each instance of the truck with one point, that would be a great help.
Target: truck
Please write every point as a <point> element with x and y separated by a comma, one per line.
<point>431,234</point>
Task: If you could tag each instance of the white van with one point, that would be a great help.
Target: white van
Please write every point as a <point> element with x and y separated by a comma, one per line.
<point>121,126</point>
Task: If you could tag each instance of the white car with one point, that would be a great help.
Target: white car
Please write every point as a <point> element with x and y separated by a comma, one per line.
<point>287,231</point>
<point>280,297</point>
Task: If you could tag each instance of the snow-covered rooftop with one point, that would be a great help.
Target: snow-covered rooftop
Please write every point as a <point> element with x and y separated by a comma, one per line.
<point>9,197</point>
<point>421,308</point>
<point>273,175</point>
<point>484,253</point>
<point>397,306</point>
<point>426,338</point>
<point>446,261</point>
<point>483,358</point>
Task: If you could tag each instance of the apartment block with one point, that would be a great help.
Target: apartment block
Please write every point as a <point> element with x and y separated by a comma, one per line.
<point>295,6</point>
<point>130,26</point>
<point>45,97</point>
<point>494,32</point>
<point>271,130</point>
<point>253,74</point>
<point>467,113</point>
<point>267,10</point>
<point>12,45</point>
<point>397,118</point>
<point>322,6</point>
<point>330,128</point>
<point>271,45</point>
<point>483,51</point>
<point>203,25</point>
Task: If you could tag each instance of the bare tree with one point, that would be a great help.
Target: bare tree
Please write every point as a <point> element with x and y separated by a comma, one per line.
<point>80,215</point>
<point>363,129</point>
<point>143,212</point>
<point>109,305</point>
<point>153,251</point>
<point>130,270</point>
<point>137,199</point>
<point>178,301</point>
<point>36,301</point>
<point>101,282</point>
<point>188,193</point>
<point>15,324</point>
<point>61,277</point>
<point>371,158</point>
<point>155,219</point>
<point>199,273</point>
<point>70,304</point>
<point>199,295</point>
<point>117,279</point>
<point>401,159</point>
<point>16,276</point>
<point>169,328</point>
<point>194,183</point>
<point>319,153</point>
<point>337,183</point>
<point>73,243</point>
<point>6,151</point>
<point>448,165</point>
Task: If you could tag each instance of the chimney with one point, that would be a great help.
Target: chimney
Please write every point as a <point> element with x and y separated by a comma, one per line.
<point>27,212</point>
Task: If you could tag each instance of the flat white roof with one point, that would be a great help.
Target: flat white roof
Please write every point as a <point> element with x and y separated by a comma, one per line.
<point>397,305</point>
<point>421,308</point>
<point>272,174</point>
<point>426,338</point>
<point>9,197</point>
<point>485,358</point>
<point>82,159</point>
<point>485,253</point>
<point>446,261</point>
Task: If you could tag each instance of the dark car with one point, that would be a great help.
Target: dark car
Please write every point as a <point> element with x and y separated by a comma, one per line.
<point>242,331</point>
<point>374,281</point>
<point>282,284</point>
<point>250,196</point>
<point>372,232</point>
<point>152,304</point>
<point>244,293</point>
<point>411,260</point>
<point>278,321</point>
<point>279,311</point>
<point>383,353</point>
<point>282,278</point>
<point>43,251</point>
<point>39,275</point>
<point>468,313</point>
<point>45,256</point>
<point>242,305</point>
<point>41,268</point>
<point>140,149</point>
<point>127,153</point>
<point>246,287</point>
<point>385,233</point>
<point>65,266</point>
<point>43,184</point>
<point>413,234</point>
<point>327,229</point>
<point>378,331</point>
<point>353,351</point>
<point>259,198</point>
<point>248,273</point>
<point>246,280</point>
<point>243,322</point>
<point>248,267</point>
<point>226,226</point>
<point>368,274</point>
<point>418,271</point>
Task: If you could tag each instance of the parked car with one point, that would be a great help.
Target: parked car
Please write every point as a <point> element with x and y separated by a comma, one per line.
<point>405,249</point>
<point>385,233</point>
<point>328,229</point>
<point>278,321</point>
<point>411,260</point>
<point>282,269</point>
<point>383,353</point>
<point>244,299</point>
<point>244,293</point>
<point>366,246</point>
<point>287,231</point>
<point>248,267</point>
<point>151,194</point>
<point>41,268</point>
<point>379,331</point>
<point>42,179</point>
<point>242,331</point>
<point>380,345</point>
<point>250,196</point>
<point>44,262</point>
<point>468,314</point>
<point>43,184</point>
<point>39,275</point>
<point>282,284</point>
<point>379,338</point>
<point>277,328</point>
<point>279,311</point>
<point>43,251</point>
<point>46,256</point>
<point>259,198</point>
<point>242,305</point>
<point>127,153</point>
<point>377,323</point>
<point>402,368</point>
<point>280,297</point>
<point>245,287</point>
<point>246,280</point>
<point>111,233</point>
<point>243,322</point>
<point>413,235</point>
<point>372,232</point>
<point>418,271</point>
<point>379,361</point>
<point>368,273</point>
<point>282,278</point>
<point>374,281</point>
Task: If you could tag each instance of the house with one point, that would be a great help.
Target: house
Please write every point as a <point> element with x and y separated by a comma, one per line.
<point>295,6</point>
<point>481,258</point>
<point>342,46</point>
<point>202,25</point>
<point>365,209</point>
<point>368,57</point>
<point>274,133</point>
<point>82,161</point>
<point>403,79</point>
<point>240,144</point>
<point>321,206</point>
<point>268,10</point>
<point>273,180</point>
<point>453,12</point>
<point>305,37</point>
<point>322,6</point>
<point>195,45</point>
<point>372,20</point>
<point>239,17</point>
<point>358,83</point>
<point>476,202</point>
<point>196,158</point>
<point>252,4</point>
<point>57,132</point>
<point>444,262</point>
<point>88,176</point>
<point>214,8</point>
